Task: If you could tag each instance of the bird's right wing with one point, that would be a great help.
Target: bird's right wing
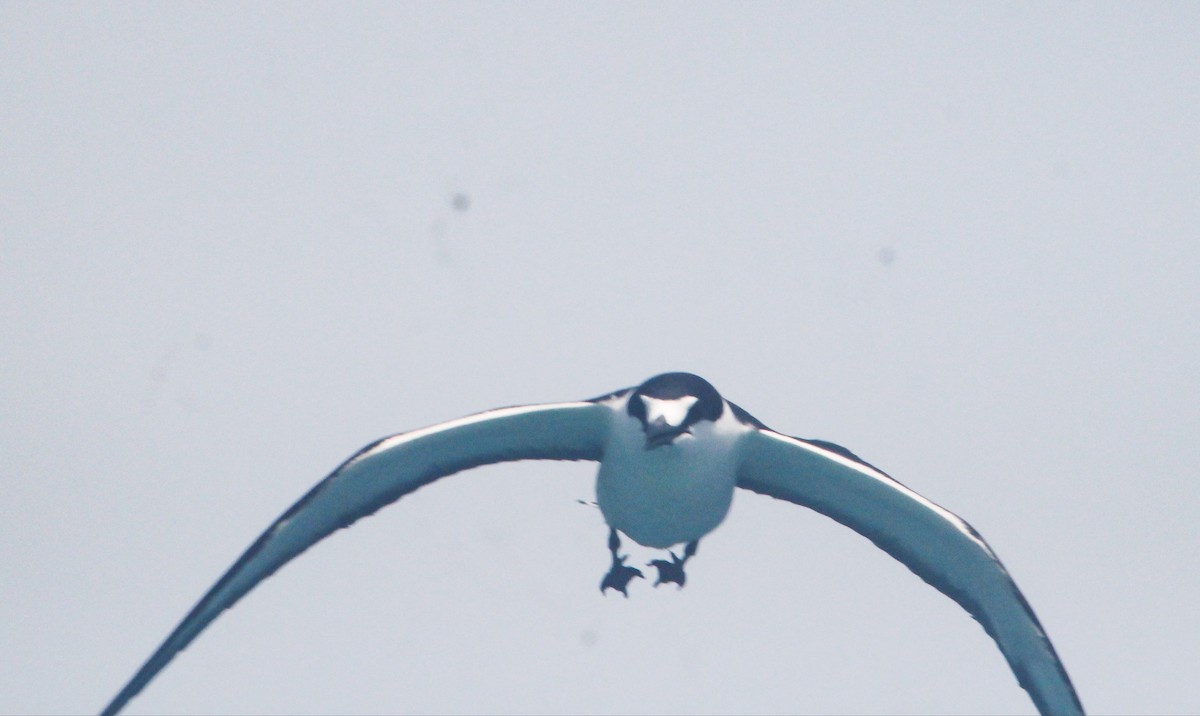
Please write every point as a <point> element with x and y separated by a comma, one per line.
<point>933,542</point>
<point>378,475</point>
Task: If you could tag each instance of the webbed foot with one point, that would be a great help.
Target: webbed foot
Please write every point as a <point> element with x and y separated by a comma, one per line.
<point>619,577</point>
<point>672,572</point>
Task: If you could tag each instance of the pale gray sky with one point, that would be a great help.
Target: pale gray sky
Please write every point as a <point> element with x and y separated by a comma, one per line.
<point>960,239</point>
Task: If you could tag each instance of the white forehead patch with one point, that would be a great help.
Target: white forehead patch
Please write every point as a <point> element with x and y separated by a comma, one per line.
<point>672,411</point>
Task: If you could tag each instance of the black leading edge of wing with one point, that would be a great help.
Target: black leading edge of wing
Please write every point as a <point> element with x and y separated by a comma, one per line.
<point>937,545</point>
<point>376,476</point>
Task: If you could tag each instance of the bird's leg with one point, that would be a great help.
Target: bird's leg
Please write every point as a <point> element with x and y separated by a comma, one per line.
<point>672,572</point>
<point>619,575</point>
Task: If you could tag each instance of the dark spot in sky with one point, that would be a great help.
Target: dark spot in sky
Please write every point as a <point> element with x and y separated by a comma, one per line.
<point>460,202</point>
<point>887,256</point>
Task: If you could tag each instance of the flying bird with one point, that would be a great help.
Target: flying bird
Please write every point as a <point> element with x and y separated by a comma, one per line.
<point>671,453</point>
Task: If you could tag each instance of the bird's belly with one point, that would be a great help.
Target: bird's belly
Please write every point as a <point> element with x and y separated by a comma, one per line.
<point>662,497</point>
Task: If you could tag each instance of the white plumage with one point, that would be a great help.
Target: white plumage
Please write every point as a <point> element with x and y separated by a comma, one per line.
<point>671,452</point>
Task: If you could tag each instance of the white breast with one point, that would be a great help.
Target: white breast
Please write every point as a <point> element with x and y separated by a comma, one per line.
<point>671,494</point>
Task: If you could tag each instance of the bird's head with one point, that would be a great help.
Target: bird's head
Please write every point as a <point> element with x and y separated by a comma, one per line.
<point>669,405</point>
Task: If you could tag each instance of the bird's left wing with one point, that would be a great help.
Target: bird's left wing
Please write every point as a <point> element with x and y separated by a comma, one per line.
<point>933,542</point>
<point>378,475</point>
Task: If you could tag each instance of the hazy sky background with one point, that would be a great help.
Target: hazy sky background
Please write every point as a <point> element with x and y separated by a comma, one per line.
<point>960,239</point>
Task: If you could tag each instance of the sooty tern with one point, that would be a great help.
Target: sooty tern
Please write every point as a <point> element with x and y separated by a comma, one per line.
<point>671,452</point>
